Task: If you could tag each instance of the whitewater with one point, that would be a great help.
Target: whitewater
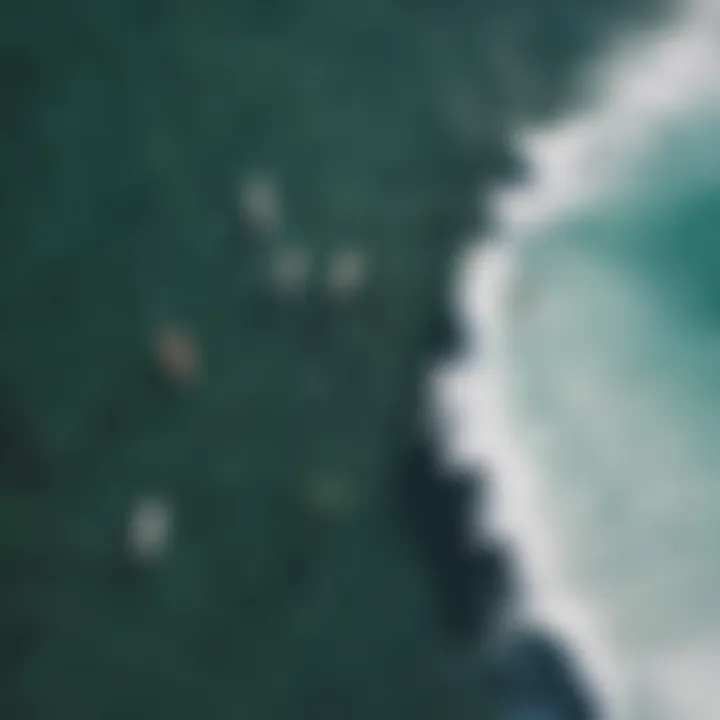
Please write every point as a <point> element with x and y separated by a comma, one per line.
<point>591,383</point>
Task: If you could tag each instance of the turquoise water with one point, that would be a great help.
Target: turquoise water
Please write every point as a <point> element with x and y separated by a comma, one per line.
<point>617,381</point>
<point>594,387</point>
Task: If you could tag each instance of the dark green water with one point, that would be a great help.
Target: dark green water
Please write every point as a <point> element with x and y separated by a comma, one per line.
<point>125,128</point>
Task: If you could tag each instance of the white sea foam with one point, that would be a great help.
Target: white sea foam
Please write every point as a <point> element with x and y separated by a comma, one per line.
<point>575,163</point>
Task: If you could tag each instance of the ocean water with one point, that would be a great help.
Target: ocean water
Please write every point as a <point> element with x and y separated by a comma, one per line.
<point>592,383</point>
